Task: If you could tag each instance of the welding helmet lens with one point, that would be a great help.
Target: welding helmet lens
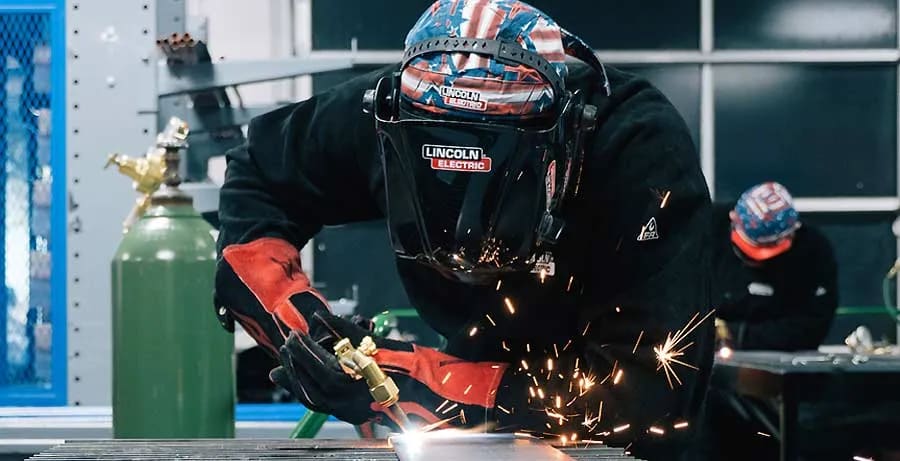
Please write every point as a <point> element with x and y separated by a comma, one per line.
<point>464,197</point>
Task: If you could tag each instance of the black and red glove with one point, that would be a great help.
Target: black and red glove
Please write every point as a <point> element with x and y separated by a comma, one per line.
<point>433,386</point>
<point>259,284</point>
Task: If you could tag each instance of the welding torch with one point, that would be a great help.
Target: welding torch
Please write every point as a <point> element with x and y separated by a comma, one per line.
<point>358,362</point>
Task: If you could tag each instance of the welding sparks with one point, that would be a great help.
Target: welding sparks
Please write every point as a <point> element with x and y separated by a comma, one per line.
<point>586,328</point>
<point>473,331</point>
<point>438,409</point>
<point>437,424</point>
<point>531,391</point>
<point>588,383</point>
<point>524,364</point>
<point>862,458</point>
<point>490,319</point>
<point>504,346</point>
<point>504,410</point>
<point>641,335</point>
<point>618,376</point>
<point>468,388</point>
<point>725,352</point>
<point>528,347</point>
<point>555,351</point>
<point>540,393</point>
<point>568,343</point>
<point>680,425</point>
<point>592,422</point>
<point>612,373</point>
<point>569,286</point>
<point>499,283</point>
<point>657,430</point>
<point>558,402</point>
<point>448,409</point>
<point>554,415</point>
<point>668,352</point>
<point>763,434</point>
<point>618,309</point>
<point>665,199</point>
<point>446,377</point>
<point>509,306</point>
<point>462,416</point>
<point>549,364</point>
<point>621,428</point>
<point>543,275</point>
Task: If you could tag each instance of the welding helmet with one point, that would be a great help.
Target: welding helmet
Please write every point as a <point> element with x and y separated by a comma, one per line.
<point>480,141</point>
<point>763,222</point>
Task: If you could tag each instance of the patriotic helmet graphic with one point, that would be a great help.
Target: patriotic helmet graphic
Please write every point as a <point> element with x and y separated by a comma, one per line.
<point>763,221</point>
<point>479,137</point>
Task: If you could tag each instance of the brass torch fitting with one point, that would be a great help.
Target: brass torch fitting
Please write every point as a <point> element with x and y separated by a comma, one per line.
<point>381,386</point>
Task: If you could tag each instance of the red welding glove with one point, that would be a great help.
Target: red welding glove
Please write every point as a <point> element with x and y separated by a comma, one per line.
<point>260,283</point>
<point>433,386</point>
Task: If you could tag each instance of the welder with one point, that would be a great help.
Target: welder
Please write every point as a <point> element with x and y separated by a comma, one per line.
<point>549,219</point>
<point>775,288</point>
<point>775,283</point>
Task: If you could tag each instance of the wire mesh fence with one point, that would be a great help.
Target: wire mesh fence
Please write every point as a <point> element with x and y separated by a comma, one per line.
<point>25,197</point>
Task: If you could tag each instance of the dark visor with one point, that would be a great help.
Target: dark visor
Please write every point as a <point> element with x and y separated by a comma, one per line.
<point>464,196</point>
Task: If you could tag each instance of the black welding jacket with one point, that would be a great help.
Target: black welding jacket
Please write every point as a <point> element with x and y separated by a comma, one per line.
<point>315,163</point>
<point>786,303</point>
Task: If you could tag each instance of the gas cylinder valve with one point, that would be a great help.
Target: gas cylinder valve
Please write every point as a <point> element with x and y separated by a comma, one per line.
<point>157,167</point>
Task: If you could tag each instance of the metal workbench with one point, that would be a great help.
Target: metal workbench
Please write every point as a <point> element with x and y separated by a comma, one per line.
<point>811,380</point>
<point>223,450</point>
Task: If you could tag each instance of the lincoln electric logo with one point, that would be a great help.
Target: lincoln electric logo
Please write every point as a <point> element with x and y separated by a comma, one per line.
<point>457,158</point>
<point>464,99</point>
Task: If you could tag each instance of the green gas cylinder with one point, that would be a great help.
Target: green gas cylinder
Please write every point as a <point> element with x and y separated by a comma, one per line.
<point>173,367</point>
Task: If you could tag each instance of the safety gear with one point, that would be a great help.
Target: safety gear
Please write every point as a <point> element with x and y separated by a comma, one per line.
<point>763,221</point>
<point>465,84</point>
<point>433,386</point>
<point>476,198</point>
<point>271,269</point>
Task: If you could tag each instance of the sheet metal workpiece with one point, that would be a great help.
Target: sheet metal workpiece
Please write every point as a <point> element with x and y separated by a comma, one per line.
<point>310,449</point>
<point>454,446</point>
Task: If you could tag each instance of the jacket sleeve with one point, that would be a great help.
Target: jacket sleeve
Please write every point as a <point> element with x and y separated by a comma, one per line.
<point>650,274</point>
<point>810,311</point>
<point>305,165</point>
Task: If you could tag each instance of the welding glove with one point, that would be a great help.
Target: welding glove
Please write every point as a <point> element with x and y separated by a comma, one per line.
<point>261,283</point>
<point>433,386</point>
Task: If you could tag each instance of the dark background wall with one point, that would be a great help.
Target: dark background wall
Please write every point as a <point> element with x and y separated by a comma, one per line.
<point>824,129</point>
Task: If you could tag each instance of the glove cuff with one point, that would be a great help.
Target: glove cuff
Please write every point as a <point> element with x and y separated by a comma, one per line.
<point>270,268</point>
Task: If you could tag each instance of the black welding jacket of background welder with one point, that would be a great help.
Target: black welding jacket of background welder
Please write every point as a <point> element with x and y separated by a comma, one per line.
<point>786,303</point>
<point>315,163</point>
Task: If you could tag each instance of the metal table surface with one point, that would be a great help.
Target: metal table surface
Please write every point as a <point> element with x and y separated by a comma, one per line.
<point>232,449</point>
<point>791,379</point>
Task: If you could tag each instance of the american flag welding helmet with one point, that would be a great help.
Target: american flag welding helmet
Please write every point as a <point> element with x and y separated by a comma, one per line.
<point>764,221</point>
